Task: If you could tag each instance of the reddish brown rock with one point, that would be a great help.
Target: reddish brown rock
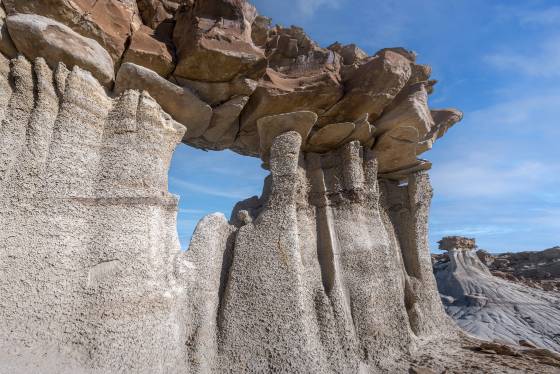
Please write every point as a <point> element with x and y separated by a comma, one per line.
<point>146,50</point>
<point>109,22</point>
<point>301,77</point>
<point>371,88</point>
<point>213,40</point>
<point>155,12</point>
<point>37,36</point>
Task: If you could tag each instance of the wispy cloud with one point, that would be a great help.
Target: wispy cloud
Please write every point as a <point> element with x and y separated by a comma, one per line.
<point>549,16</point>
<point>542,60</point>
<point>226,192</point>
<point>308,7</point>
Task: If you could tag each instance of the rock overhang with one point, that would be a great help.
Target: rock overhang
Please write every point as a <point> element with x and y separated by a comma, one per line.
<point>220,69</point>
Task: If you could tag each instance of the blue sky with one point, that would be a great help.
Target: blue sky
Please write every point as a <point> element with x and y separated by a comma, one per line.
<point>496,175</point>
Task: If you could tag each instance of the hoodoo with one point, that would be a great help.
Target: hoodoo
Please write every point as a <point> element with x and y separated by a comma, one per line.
<point>328,271</point>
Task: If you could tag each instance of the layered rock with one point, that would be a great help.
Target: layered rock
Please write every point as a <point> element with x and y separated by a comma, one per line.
<point>540,269</point>
<point>235,62</point>
<point>493,308</point>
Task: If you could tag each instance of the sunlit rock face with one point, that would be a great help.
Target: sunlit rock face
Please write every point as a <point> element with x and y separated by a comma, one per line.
<point>327,272</point>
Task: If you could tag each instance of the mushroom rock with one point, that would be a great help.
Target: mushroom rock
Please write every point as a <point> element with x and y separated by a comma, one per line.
<point>213,40</point>
<point>38,36</point>
<point>328,271</point>
<point>178,101</point>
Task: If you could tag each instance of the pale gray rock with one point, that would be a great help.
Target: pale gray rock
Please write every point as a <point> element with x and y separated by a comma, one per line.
<point>178,101</point>
<point>495,309</point>
<point>83,182</point>
<point>38,36</point>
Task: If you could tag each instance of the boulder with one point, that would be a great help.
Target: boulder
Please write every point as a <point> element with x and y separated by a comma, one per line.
<point>351,54</point>
<point>331,136</point>
<point>364,132</point>
<point>224,125</point>
<point>213,40</point>
<point>155,12</point>
<point>396,149</point>
<point>279,94</point>
<point>38,36</point>
<point>146,50</point>
<point>7,47</point>
<point>260,30</point>
<point>178,101</point>
<point>272,126</point>
<point>409,109</point>
<point>370,88</point>
<point>216,93</point>
<point>109,22</point>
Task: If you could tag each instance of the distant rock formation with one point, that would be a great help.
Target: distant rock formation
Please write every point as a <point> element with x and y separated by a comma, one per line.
<point>537,269</point>
<point>328,271</point>
<point>494,308</point>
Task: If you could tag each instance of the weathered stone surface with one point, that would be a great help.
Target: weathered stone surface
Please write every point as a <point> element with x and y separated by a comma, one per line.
<point>539,269</point>
<point>351,54</point>
<point>38,36</point>
<point>224,125</point>
<point>371,88</point>
<point>146,50</point>
<point>83,180</point>
<point>215,93</point>
<point>260,30</point>
<point>480,302</point>
<point>156,12</point>
<point>272,126</point>
<point>396,149</point>
<point>364,132</point>
<point>179,102</point>
<point>409,109</point>
<point>331,136</point>
<point>213,40</point>
<point>7,47</point>
<point>277,94</point>
<point>109,22</point>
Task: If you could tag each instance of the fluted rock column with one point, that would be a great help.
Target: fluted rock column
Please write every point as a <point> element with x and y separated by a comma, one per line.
<point>88,229</point>
<point>313,279</point>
